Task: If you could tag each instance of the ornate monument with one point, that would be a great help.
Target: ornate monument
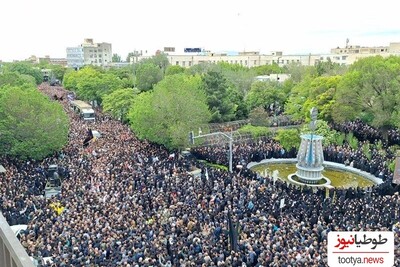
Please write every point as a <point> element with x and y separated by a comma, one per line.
<point>310,157</point>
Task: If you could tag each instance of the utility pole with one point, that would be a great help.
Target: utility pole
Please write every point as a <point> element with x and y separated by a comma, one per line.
<point>228,136</point>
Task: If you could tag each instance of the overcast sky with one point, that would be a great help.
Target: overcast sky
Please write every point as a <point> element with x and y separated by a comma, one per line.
<point>47,27</point>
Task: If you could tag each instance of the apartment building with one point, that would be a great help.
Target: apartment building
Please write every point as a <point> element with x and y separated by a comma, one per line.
<point>351,53</point>
<point>89,53</point>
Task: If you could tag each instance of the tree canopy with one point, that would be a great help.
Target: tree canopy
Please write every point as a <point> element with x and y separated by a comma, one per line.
<point>31,126</point>
<point>370,91</point>
<point>119,102</point>
<point>91,84</point>
<point>316,92</point>
<point>25,68</point>
<point>147,75</point>
<point>218,97</point>
<point>168,113</point>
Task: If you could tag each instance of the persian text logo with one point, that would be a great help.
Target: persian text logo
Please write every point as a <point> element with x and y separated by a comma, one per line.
<point>360,249</point>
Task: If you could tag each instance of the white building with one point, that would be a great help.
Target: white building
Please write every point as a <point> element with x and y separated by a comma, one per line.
<point>89,53</point>
<point>247,59</point>
<point>343,56</point>
<point>273,77</point>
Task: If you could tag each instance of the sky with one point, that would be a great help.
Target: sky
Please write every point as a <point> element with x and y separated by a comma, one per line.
<point>48,27</point>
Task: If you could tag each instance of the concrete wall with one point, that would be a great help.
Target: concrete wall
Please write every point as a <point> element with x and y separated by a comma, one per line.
<point>12,254</point>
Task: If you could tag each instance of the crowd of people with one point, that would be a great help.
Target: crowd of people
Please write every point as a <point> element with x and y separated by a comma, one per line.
<point>128,202</point>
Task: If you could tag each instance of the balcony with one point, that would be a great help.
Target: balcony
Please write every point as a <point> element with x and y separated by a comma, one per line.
<point>12,254</point>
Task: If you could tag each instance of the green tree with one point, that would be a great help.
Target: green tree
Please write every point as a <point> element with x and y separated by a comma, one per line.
<point>26,68</point>
<point>91,84</point>
<point>58,71</point>
<point>119,102</point>
<point>255,131</point>
<point>265,94</point>
<point>167,114</point>
<point>370,91</point>
<point>16,79</point>
<point>125,74</point>
<point>268,69</point>
<point>288,138</point>
<point>299,72</point>
<point>242,79</point>
<point>322,128</point>
<point>313,92</point>
<point>174,69</point>
<point>328,68</point>
<point>147,75</point>
<point>201,68</point>
<point>31,126</point>
<point>116,58</point>
<point>161,61</point>
<point>259,117</point>
<point>218,97</point>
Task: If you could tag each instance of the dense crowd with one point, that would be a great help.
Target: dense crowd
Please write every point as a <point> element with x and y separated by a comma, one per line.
<point>132,203</point>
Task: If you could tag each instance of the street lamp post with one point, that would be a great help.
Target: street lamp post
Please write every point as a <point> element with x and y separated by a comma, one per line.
<point>230,138</point>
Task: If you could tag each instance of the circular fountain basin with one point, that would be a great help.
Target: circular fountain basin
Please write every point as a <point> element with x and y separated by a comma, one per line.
<point>333,175</point>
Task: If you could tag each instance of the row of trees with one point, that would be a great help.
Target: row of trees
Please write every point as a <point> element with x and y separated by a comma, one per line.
<point>163,102</point>
<point>369,90</point>
<point>31,125</point>
<point>366,90</point>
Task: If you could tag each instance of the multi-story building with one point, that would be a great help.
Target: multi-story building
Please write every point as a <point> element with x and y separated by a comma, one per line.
<point>89,53</point>
<point>48,59</point>
<point>343,56</point>
<point>75,57</point>
<point>247,59</point>
<point>351,53</point>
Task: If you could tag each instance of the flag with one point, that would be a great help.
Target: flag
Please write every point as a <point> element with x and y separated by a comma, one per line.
<point>88,138</point>
<point>57,207</point>
<point>282,203</point>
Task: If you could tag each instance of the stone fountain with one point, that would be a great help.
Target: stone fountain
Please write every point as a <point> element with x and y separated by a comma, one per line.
<point>310,158</point>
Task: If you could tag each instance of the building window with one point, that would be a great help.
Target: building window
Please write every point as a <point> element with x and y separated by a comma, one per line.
<point>177,63</point>
<point>245,62</point>
<point>183,63</point>
<point>190,63</point>
<point>255,62</point>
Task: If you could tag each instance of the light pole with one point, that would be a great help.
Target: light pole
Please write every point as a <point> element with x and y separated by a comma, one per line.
<point>230,138</point>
